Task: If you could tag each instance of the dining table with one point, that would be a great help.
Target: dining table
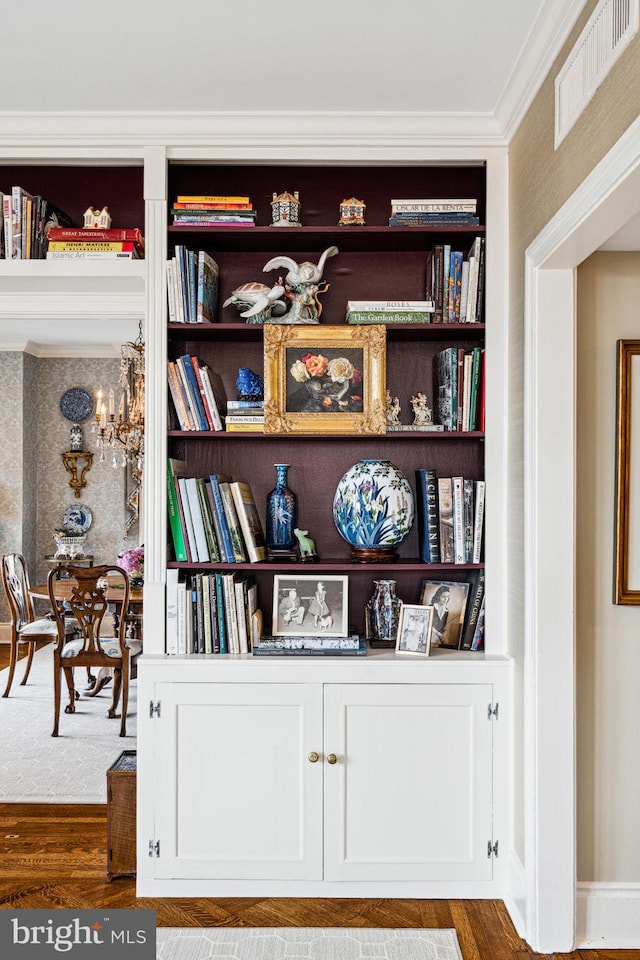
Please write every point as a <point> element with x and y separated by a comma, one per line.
<point>114,593</point>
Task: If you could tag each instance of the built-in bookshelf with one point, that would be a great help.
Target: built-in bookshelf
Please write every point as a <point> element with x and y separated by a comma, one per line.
<point>375,262</point>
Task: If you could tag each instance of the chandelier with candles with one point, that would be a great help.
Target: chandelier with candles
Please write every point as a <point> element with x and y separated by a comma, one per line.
<point>123,433</point>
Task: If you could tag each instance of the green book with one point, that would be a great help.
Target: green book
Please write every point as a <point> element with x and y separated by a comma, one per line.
<point>209,529</point>
<point>389,316</point>
<point>175,468</point>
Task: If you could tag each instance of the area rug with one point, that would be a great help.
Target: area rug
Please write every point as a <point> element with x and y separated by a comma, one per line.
<point>305,943</point>
<point>71,768</point>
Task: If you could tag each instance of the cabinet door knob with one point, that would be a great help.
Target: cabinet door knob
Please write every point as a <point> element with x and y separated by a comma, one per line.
<point>314,757</point>
<point>331,758</point>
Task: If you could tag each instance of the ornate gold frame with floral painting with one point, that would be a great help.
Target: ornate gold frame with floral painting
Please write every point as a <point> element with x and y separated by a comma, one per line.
<point>324,379</point>
<point>627,530</point>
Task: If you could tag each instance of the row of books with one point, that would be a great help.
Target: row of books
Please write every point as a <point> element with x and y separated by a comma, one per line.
<point>212,519</point>
<point>200,210</point>
<point>429,212</point>
<point>459,387</point>
<point>455,282</point>
<point>192,388</point>
<point>26,220</point>
<point>450,515</point>
<point>89,243</point>
<point>210,612</point>
<point>192,286</point>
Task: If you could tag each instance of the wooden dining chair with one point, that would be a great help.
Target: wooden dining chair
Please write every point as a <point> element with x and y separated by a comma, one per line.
<point>94,646</point>
<point>25,626</point>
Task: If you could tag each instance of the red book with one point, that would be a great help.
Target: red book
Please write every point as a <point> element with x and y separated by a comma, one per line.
<point>90,234</point>
<point>205,402</point>
<point>184,205</point>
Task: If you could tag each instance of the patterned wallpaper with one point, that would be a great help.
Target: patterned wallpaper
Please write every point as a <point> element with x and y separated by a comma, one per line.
<point>34,485</point>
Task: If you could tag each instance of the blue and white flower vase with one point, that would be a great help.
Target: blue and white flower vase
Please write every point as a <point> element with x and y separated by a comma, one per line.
<point>382,614</point>
<point>282,512</point>
<point>373,509</point>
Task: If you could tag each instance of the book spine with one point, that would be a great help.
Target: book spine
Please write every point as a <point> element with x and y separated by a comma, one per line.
<point>202,198</point>
<point>241,615</point>
<point>175,525</point>
<point>177,396</point>
<point>188,520</point>
<point>478,635</point>
<point>478,521</point>
<point>203,396</point>
<point>172,612</point>
<point>379,316</point>
<point>181,617</point>
<point>235,532</point>
<point>98,246</point>
<point>457,487</point>
<point>467,492</point>
<point>185,365</point>
<point>222,623</point>
<point>228,584</point>
<point>213,613</point>
<point>212,542</point>
<point>445,519</point>
<point>222,517</point>
<point>83,235</point>
<point>197,520</point>
<point>90,255</point>
<point>474,608</point>
<point>211,397</point>
<point>249,520</point>
<point>206,615</point>
<point>16,219</point>
<point>171,300</point>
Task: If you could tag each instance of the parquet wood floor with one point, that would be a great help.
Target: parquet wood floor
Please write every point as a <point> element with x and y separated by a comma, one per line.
<point>55,856</point>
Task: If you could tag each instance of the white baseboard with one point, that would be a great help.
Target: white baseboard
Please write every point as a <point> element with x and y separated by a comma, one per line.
<point>515,893</point>
<point>608,916</point>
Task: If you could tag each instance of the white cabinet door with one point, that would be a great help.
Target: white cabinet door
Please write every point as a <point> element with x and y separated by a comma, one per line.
<point>409,797</point>
<point>237,797</point>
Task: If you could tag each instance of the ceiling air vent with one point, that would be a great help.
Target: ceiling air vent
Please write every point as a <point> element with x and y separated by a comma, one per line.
<point>608,32</point>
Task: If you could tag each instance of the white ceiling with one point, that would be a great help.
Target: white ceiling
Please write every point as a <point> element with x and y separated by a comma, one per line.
<point>463,63</point>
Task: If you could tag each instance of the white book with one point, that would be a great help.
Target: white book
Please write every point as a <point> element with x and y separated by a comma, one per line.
<point>390,306</point>
<point>172,611</point>
<point>233,639</point>
<point>466,389</point>
<point>474,261</point>
<point>249,520</point>
<point>186,509</point>
<point>211,400</point>
<point>464,290</point>
<point>457,486</point>
<point>196,519</point>
<point>241,615</point>
<point>171,293</point>
<point>478,520</point>
<point>189,617</point>
<point>206,615</point>
<point>181,616</point>
<point>89,254</point>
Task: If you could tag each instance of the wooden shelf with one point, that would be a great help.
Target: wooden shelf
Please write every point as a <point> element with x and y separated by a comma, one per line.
<point>344,566</point>
<point>395,332</point>
<point>411,435</point>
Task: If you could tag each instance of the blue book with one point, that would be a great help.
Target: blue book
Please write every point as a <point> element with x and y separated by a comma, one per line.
<point>194,392</point>
<point>226,545</point>
<point>221,616</point>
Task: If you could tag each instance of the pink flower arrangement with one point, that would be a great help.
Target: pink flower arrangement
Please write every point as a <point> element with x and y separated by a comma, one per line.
<point>132,561</point>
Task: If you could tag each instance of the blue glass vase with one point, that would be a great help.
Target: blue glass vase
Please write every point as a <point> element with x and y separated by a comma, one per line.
<point>282,512</point>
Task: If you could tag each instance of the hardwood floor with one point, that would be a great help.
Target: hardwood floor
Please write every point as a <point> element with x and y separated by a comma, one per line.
<point>55,856</point>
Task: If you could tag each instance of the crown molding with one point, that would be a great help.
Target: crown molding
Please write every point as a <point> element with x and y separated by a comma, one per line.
<point>547,36</point>
<point>48,351</point>
<point>69,133</point>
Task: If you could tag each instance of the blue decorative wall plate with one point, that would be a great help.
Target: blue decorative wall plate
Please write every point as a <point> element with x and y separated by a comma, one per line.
<point>76,404</point>
<point>77,518</point>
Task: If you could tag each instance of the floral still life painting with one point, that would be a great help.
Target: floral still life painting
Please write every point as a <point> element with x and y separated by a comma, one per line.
<point>328,380</point>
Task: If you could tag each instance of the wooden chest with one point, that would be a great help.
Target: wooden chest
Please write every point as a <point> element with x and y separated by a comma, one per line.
<point>121,816</point>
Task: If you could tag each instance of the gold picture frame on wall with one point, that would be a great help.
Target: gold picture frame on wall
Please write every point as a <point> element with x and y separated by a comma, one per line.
<point>324,379</point>
<point>627,503</point>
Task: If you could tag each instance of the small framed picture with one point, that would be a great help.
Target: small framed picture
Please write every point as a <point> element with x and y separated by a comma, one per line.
<point>414,629</point>
<point>449,601</point>
<point>305,606</point>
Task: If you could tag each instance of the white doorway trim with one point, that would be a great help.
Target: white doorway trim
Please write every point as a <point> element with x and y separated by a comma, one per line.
<point>603,202</point>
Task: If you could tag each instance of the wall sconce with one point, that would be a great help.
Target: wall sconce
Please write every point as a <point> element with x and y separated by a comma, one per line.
<point>73,461</point>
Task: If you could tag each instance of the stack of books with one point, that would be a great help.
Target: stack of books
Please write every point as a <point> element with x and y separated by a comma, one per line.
<point>314,646</point>
<point>435,212</point>
<point>26,221</point>
<point>450,512</point>
<point>212,519</point>
<point>390,311</point>
<point>213,211</point>
<point>192,286</point>
<point>210,612</point>
<point>193,388</point>
<point>245,415</point>
<point>455,282</point>
<point>87,243</point>
<point>460,377</point>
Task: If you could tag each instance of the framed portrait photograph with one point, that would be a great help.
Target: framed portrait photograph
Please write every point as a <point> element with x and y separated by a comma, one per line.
<point>626,587</point>
<point>449,601</point>
<point>324,379</point>
<point>305,606</point>
<point>414,629</point>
